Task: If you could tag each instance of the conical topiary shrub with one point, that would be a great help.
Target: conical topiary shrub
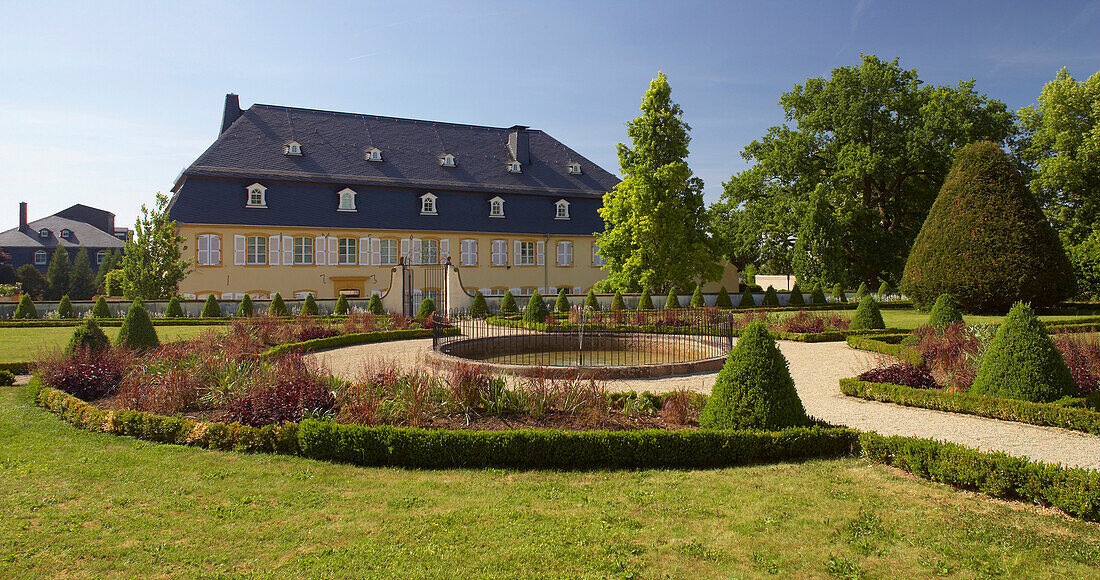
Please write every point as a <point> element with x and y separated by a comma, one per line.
<point>427,307</point>
<point>839,295</point>
<point>754,389</point>
<point>342,307</point>
<point>945,312</point>
<point>374,306</point>
<point>673,299</point>
<point>591,302</point>
<point>211,309</point>
<point>862,291</point>
<point>883,290</point>
<point>508,304</point>
<point>562,303</point>
<point>88,336</point>
<point>479,307</point>
<point>617,304</point>
<point>101,310</point>
<point>747,299</point>
<point>986,241</point>
<point>26,309</point>
<point>536,310</point>
<point>723,299</point>
<point>817,295</point>
<point>697,300</point>
<point>65,307</point>
<point>276,308</point>
<point>867,316</point>
<point>1023,363</point>
<point>645,300</point>
<point>245,308</point>
<point>174,310</point>
<point>771,298</point>
<point>796,298</point>
<point>309,306</point>
<point>137,332</point>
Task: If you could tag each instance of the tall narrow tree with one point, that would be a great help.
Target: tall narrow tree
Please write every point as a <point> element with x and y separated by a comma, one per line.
<point>58,274</point>
<point>82,280</point>
<point>152,263</point>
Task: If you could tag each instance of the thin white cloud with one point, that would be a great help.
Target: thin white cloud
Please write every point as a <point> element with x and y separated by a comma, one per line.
<point>857,12</point>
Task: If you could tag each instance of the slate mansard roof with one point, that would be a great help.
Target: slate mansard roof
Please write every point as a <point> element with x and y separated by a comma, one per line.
<point>82,235</point>
<point>302,188</point>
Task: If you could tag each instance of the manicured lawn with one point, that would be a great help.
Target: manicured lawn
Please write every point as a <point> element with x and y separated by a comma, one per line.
<point>912,318</point>
<point>23,344</point>
<point>94,505</point>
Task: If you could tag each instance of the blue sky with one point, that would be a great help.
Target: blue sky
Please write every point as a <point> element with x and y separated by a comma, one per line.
<point>105,103</point>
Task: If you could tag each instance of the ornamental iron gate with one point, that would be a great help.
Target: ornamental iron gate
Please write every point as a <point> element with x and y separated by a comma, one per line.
<point>425,281</point>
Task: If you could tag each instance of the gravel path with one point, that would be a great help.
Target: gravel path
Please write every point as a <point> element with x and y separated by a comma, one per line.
<point>817,369</point>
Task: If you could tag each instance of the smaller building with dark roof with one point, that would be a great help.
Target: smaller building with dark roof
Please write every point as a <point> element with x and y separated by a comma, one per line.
<point>73,228</point>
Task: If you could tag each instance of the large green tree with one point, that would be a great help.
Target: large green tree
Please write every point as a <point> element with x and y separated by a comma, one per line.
<point>58,274</point>
<point>1060,142</point>
<point>82,280</point>
<point>152,262</point>
<point>111,261</point>
<point>880,140</point>
<point>656,232</point>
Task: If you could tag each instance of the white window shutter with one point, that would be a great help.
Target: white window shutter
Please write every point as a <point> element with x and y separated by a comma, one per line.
<point>376,252</point>
<point>333,251</point>
<point>288,250</point>
<point>516,259</point>
<point>444,250</point>
<point>273,250</point>
<point>405,250</point>
<point>215,250</point>
<point>364,251</point>
<point>417,251</point>
<point>540,253</point>
<point>202,248</point>
<point>319,250</point>
<point>238,250</point>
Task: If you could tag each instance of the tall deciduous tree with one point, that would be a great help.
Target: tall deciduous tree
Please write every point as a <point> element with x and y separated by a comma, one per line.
<point>656,232</point>
<point>880,140</point>
<point>152,262</point>
<point>82,280</point>
<point>58,274</point>
<point>112,261</point>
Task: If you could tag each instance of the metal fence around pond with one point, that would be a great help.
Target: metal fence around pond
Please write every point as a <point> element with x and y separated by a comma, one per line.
<point>591,339</point>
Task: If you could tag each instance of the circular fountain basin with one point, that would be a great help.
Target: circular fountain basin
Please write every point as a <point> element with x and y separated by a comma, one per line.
<point>604,356</point>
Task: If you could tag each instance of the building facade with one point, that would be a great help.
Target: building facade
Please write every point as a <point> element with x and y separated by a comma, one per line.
<point>75,228</point>
<point>301,201</point>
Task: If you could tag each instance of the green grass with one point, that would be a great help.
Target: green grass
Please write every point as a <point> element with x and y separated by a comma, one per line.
<point>86,504</point>
<point>909,318</point>
<point>23,344</point>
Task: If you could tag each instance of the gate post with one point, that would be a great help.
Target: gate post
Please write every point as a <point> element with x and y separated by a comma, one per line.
<point>457,297</point>
<point>394,298</point>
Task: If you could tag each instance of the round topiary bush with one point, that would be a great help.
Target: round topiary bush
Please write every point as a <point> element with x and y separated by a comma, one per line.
<point>479,307</point>
<point>101,310</point>
<point>796,298</point>
<point>174,310</point>
<point>342,307</point>
<point>65,307</point>
<point>817,296</point>
<point>723,299</point>
<point>276,308</point>
<point>137,332</point>
<point>591,302</point>
<point>244,309</point>
<point>839,295</point>
<point>562,303</point>
<point>771,298</point>
<point>309,306</point>
<point>986,241</point>
<point>211,309</point>
<point>754,389</point>
<point>617,304</point>
<point>536,310</point>
<point>1022,362</point>
<point>88,336</point>
<point>645,300</point>
<point>673,299</point>
<point>747,299</point>
<point>427,307</point>
<point>867,316</point>
<point>508,304</point>
<point>374,306</point>
<point>944,312</point>
<point>26,309</point>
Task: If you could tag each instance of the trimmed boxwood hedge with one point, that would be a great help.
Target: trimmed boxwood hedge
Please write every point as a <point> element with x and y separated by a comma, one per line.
<point>1045,414</point>
<point>18,368</point>
<point>357,338</point>
<point>886,343</point>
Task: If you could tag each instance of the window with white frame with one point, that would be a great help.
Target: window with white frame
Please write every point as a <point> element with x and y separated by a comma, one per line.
<point>388,252</point>
<point>303,250</point>
<point>100,256</point>
<point>597,259</point>
<point>427,204</point>
<point>575,168</point>
<point>525,253</point>
<point>429,251</point>
<point>565,253</point>
<point>255,250</point>
<point>347,251</point>
<point>515,167</point>
<point>496,207</point>
<point>500,252</point>
<point>209,250</point>
<point>347,200</point>
<point>447,160</point>
<point>44,233</point>
<point>257,195</point>
<point>373,154</point>
<point>40,257</point>
<point>468,253</point>
<point>292,148</point>
<point>66,233</point>
<point>561,210</point>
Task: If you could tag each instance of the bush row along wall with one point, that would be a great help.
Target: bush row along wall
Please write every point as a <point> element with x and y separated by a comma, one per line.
<point>116,322</point>
<point>1074,491</point>
<point>191,308</point>
<point>1045,414</point>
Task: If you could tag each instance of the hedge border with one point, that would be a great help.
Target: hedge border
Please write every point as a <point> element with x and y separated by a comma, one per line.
<point>18,368</point>
<point>158,321</point>
<point>880,344</point>
<point>356,338</point>
<point>1046,415</point>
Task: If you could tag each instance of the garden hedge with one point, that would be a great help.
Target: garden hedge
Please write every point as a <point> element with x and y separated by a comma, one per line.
<point>357,338</point>
<point>18,368</point>
<point>886,343</point>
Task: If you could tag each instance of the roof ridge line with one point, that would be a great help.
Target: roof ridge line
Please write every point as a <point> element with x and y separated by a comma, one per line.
<point>426,121</point>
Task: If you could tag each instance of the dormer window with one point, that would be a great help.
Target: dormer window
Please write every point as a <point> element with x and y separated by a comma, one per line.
<point>257,195</point>
<point>373,154</point>
<point>44,233</point>
<point>515,167</point>
<point>428,205</point>
<point>66,233</point>
<point>447,160</point>
<point>292,148</point>
<point>575,168</point>
<point>347,200</point>
<point>561,210</point>
<point>496,207</point>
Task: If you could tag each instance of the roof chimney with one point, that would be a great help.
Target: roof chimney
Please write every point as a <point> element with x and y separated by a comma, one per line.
<point>518,144</point>
<point>23,216</point>
<point>232,111</point>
